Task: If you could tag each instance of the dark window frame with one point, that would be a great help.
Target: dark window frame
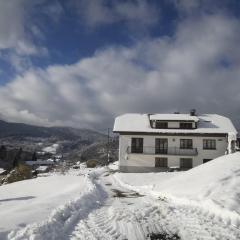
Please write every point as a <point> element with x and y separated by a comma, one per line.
<point>137,145</point>
<point>161,145</point>
<point>161,124</point>
<point>161,162</point>
<point>186,165</point>
<point>205,160</point>
<point>185,125</point>
<point>186,144</point>
<point>209,144</point>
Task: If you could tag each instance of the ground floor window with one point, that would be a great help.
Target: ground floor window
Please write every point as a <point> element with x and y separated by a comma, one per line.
<point>161,162</point>
<point>206,160</point>
<point>186,163</point>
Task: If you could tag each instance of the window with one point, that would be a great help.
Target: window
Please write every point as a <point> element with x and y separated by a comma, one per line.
<point>206,160</point>
<point>209,144</point>
<point>161,145</point>
<point>185,162</point>
<point>137,145</point>
<point>186,144</point>
<point>161,124</point>
<point>186,125</point>
<point>161,162</point>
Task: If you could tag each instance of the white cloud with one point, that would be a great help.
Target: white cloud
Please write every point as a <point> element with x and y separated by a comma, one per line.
<point>53,10</point>
<point>20,35</point>
<point>101,12</point>
<point>197,67</point>
<point>13,34</point>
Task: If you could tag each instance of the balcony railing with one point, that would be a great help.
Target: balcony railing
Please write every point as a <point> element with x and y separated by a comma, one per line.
<point>163,151</point>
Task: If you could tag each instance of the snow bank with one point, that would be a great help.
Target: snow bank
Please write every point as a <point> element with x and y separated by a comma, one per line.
<point>214,186</point>
<point>114,166</point>
<point>218,180</point>
<point>62,219</point>
<point>33,200</point>
<point>146,180</point>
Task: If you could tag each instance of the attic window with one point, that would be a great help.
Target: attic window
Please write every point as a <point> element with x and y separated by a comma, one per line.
<point>161,124</point>
<point>186,125</point>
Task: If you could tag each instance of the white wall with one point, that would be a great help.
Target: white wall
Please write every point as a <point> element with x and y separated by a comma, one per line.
<point>148,160</point>
<point>173,124</point>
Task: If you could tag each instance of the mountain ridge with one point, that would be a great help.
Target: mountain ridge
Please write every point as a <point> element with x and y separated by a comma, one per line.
<point>14,129</point>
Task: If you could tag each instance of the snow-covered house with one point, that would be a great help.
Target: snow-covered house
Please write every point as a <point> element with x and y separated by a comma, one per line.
<point>155,142</point>
<point>41,163</point>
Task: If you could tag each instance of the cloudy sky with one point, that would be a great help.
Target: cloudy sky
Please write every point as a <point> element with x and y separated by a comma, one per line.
<point>82,62</point>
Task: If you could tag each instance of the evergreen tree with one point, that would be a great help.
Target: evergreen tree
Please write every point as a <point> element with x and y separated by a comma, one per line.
<point>17,158</point>
<point>3,152</point>
<point>34,157</point>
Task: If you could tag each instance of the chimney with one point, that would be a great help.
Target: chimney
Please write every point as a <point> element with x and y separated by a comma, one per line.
<point>193,112</point>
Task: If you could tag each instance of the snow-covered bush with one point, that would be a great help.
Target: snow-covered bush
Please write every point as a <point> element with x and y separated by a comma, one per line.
<point>21,172</point>
<point>92,163</point>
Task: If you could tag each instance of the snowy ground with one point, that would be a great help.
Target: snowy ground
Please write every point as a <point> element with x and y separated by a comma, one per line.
<point>214,186</point>
<point>202,203</point>
<point>30,201</point>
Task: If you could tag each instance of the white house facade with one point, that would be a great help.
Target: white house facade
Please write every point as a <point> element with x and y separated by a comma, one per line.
<point>157,142</point>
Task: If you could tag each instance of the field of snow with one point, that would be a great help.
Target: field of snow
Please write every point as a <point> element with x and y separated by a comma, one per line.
<point>30,201</point>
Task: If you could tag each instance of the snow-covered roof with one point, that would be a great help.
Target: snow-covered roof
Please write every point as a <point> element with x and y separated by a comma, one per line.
<point>173,117</point>
<point>207,123</point>
<point>42,168</point>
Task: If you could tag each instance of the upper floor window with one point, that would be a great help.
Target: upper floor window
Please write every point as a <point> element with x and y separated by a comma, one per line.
<point>209,144</point>
<point>186,143</point>
<point>161,124</point>
<point>137,145</point>
<point>161,145</point>
<point>186,125</point>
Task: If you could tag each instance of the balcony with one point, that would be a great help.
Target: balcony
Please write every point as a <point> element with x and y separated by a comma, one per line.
<point>163,151</point>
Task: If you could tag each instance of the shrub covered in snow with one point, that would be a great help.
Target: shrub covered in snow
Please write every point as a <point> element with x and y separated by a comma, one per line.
<point>21,172</point>
<point>92,163</point>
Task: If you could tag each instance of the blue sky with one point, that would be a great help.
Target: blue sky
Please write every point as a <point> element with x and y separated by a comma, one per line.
<point>82,62</point>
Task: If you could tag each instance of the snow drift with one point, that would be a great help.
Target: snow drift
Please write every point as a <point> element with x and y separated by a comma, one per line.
<point>215,185</point>
<point>218,180</point>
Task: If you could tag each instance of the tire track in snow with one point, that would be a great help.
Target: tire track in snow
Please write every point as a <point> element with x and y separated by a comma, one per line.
<point>121,218</point>
<point>136,218</point>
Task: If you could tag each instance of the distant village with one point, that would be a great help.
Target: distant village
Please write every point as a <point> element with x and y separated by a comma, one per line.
<point>28,163</point>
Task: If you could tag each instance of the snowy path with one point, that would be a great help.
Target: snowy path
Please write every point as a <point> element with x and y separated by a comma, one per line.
<point>132,216</point>
<point>107,210</point>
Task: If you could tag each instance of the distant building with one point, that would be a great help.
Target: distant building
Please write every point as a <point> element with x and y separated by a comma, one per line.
<point>157,142</point>
<point>39,163</point>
